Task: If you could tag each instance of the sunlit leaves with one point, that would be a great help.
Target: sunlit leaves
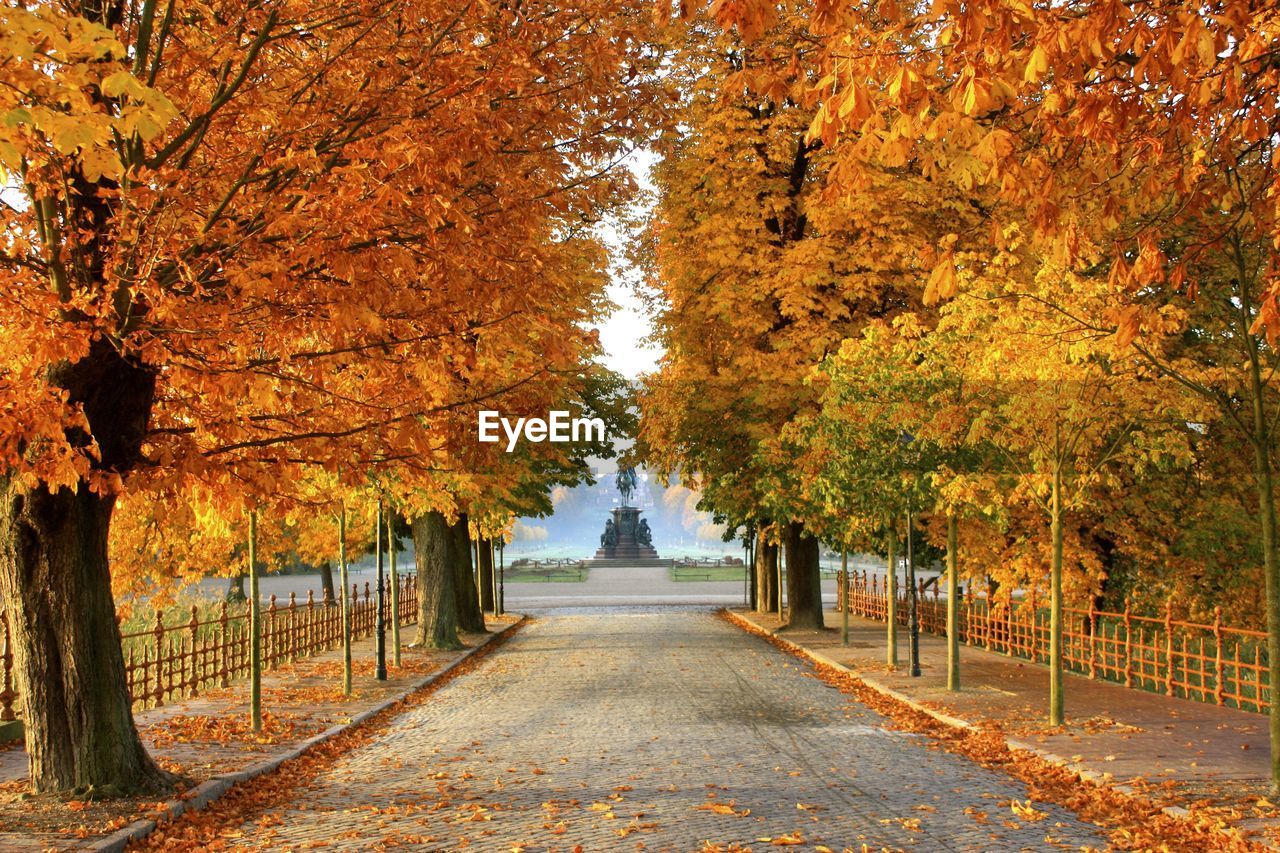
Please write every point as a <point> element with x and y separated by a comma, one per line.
<point>762,273</point>
<point>332,245</point>
<point>56,66</point>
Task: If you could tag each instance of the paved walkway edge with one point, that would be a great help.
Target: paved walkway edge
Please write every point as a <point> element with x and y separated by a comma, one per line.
<point>211,789</point>
<point>1014,744</point>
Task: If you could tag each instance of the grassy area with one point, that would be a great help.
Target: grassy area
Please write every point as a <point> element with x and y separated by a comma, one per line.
<point>140,616</point>
<point>550,574</point>
<point>708,573</point>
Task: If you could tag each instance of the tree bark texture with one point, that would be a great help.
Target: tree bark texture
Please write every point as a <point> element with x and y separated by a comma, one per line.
<point>56,586</point>
<point>804,579</point>
<point>437,610</point>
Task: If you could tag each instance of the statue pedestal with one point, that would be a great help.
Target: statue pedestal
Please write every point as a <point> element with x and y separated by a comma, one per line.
<point>626,520</point>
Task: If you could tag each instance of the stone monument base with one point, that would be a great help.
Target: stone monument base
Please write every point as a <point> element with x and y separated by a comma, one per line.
<point>627,551</point>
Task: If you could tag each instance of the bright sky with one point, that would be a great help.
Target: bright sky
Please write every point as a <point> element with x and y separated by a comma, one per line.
<point>622,332</point>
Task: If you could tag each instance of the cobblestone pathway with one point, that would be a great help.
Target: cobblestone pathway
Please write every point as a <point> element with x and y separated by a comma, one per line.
<point>658,730</point>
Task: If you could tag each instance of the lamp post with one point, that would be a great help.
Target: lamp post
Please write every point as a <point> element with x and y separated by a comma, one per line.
<point>914,613</point>
<point>380,643</point>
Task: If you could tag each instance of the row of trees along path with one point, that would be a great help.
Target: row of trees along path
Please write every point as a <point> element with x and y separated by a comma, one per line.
<point>1002,283</point>
<point>271,261</point>
<point>1009,273</point>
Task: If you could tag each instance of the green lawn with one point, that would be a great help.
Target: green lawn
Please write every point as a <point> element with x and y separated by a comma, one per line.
<point>551,574</point>
<point>708,573</point>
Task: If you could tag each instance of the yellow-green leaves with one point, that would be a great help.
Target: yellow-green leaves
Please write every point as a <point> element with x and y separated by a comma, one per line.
<point>123,83</point>
<point>66,93</point>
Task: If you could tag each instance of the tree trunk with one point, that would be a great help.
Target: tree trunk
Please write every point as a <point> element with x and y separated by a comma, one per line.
<point>953,606</point>
<point>1271,571</point>
<point>842,597</point>
<point>779,581</point>
<point>394,569</point>
<point>344,591</point>
<point>1056,712</point>
<point>56,586</point>
<point>766,575</point>
<point>891,600</point>
<point>67,658</point>
<point>235,589</point>
<point>329,594</point>
<point>437,610</point>
<point>1265,477</point>
<point>466,597</point>
<point>804,580</point>
<point>485,551</point>
<point>255,630</point>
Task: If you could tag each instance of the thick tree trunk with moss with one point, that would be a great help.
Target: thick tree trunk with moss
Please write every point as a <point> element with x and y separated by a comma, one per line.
<point>485,551</point>
<point>437,610</point>
<point>804,579</point>
<point>56,587</point>
<point>766,573</point>
<point>467,598</point>
<point>328,593</point>
<point>67,658</point>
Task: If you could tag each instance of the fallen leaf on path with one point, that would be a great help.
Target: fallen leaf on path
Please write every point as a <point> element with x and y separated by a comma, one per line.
<point>1027,811</point>
<point>791,839</point>
<point>723,808</point>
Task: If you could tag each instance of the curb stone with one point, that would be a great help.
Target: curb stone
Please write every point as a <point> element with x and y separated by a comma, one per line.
<point>197,798</point>
<point>1094,776</point>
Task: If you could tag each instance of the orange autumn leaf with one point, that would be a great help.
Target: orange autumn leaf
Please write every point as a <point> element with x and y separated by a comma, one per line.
<point>723,808</point>
<point>791,839</point>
